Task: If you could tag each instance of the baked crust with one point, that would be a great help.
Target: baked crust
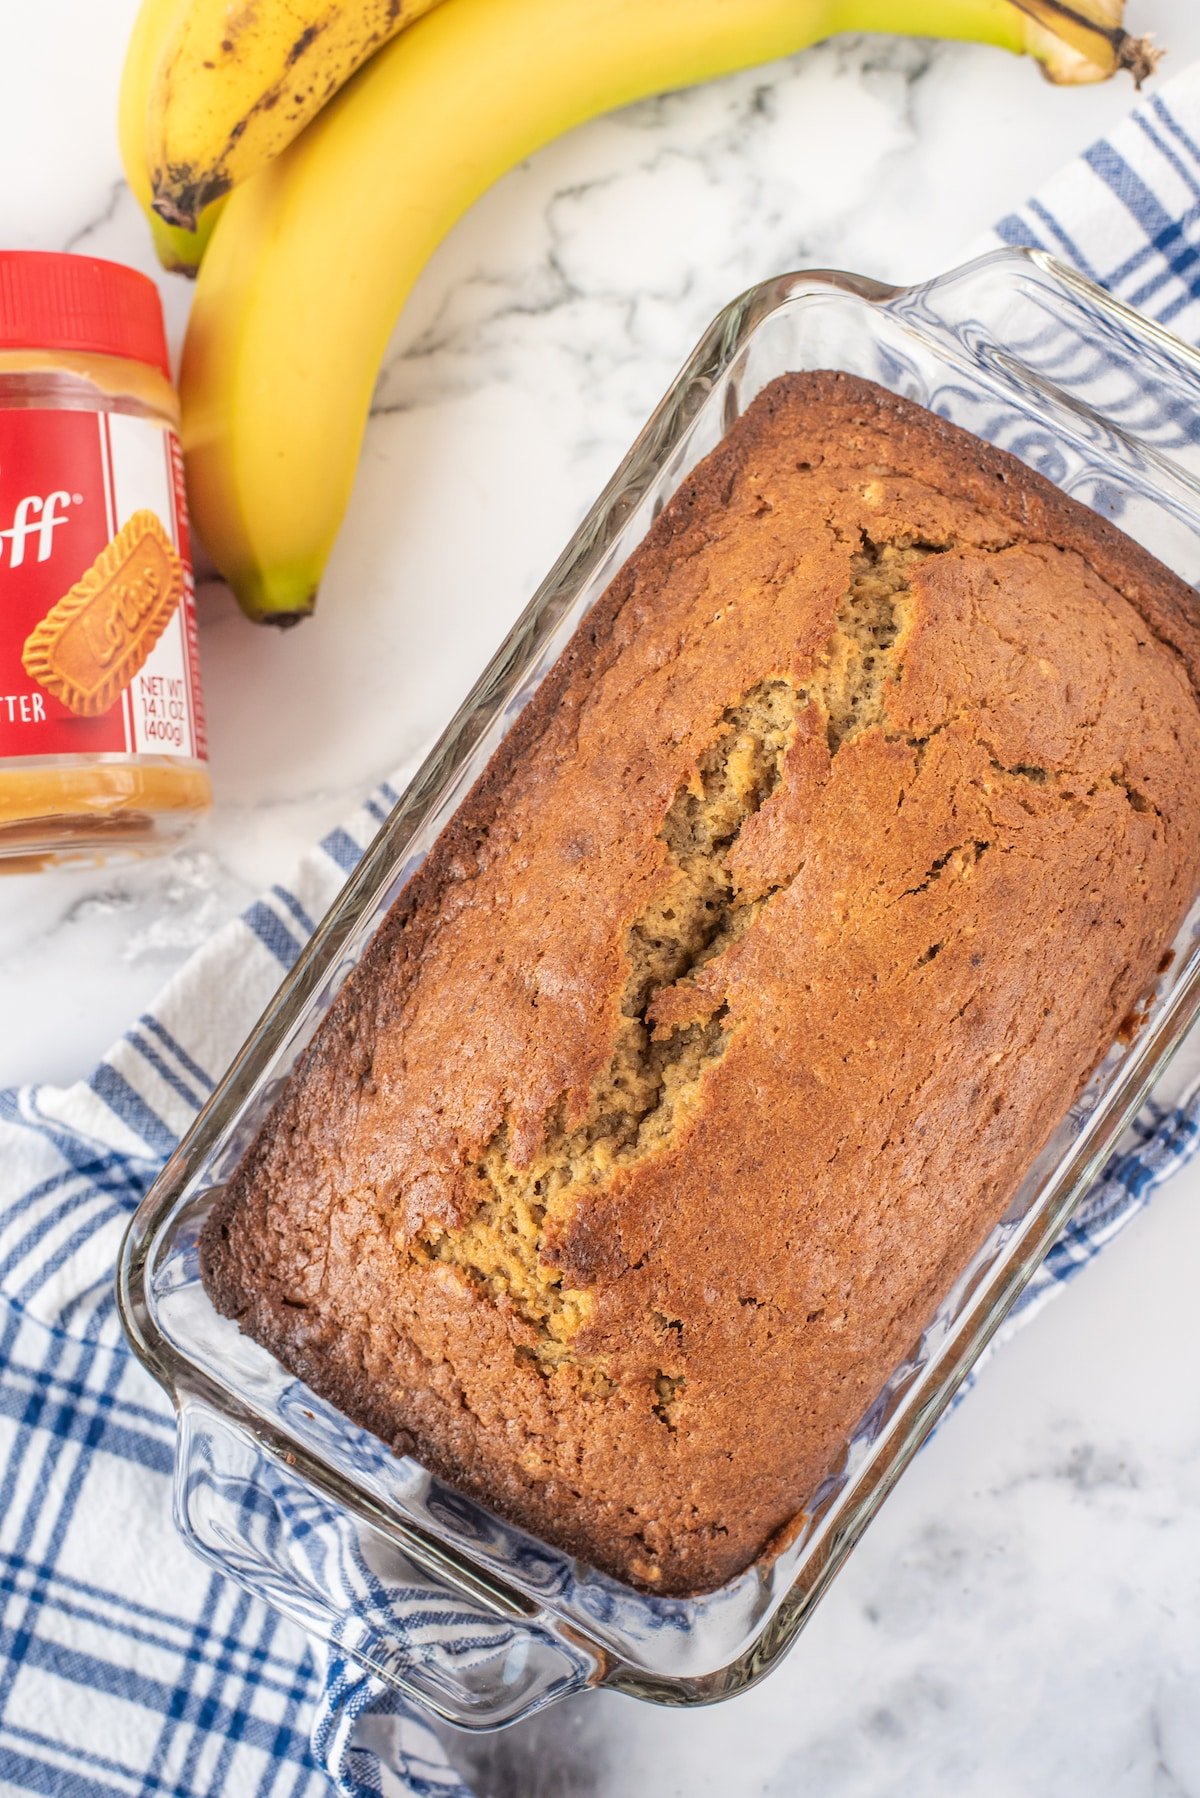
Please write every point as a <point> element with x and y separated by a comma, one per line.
<point>720,1025</point>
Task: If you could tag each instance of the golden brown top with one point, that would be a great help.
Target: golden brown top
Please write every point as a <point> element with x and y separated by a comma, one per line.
<point>718,1030</point>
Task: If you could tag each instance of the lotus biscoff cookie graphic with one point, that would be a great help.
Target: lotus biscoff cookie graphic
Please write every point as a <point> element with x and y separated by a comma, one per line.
<point>94,639</point>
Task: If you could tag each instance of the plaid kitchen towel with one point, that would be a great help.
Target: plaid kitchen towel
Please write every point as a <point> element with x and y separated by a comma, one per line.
<point>127,1666</point>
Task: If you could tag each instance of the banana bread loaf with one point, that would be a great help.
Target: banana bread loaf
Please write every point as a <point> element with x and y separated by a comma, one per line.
<point>718,1029</point>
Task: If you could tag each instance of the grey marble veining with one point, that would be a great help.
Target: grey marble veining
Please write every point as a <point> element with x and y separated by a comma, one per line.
<point>1025,1616</point>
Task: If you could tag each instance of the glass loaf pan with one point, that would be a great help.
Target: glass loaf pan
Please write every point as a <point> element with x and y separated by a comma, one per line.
<point>470,1617</point>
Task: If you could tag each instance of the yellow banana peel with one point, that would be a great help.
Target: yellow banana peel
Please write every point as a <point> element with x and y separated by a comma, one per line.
<point>235,81</point>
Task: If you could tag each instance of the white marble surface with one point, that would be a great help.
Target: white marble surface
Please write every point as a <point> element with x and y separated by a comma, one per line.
<point>1025,1617</point>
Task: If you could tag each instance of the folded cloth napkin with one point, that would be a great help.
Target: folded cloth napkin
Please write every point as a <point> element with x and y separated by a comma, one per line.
<point>126,1665</point>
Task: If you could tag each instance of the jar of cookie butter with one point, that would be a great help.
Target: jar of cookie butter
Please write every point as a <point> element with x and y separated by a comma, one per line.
<point>102,744</point>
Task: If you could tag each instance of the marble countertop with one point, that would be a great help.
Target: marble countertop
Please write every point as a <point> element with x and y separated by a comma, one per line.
<point>1025,1616</point>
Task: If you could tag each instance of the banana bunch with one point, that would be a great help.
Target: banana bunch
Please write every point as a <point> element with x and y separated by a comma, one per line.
<point>307,156</point>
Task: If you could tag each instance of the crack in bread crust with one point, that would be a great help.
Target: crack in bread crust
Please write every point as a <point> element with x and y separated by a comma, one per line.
<point>642,1101</point>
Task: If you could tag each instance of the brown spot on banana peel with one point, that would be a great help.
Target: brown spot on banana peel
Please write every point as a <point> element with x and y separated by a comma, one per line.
<point>284,621</point>
<point>307,37</point>
<point>180,193</point>
<point>1085,42</point>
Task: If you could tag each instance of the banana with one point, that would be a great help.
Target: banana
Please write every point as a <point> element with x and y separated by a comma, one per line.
<point>179,251</point>
<point>315,255</point>
<point>237,80</point>
<point>1086,41</point>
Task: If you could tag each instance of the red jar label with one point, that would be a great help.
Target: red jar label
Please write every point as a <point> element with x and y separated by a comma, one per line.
<point>97,619</point>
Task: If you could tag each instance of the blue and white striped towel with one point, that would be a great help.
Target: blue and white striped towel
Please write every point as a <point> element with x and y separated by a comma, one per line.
<point>126,1666</point>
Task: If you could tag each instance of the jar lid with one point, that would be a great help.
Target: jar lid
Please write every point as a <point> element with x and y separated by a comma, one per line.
<point>53,301</point>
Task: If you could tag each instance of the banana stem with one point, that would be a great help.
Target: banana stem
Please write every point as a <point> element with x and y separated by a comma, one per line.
<point>1107,47</point>
<point>1070,40</point>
